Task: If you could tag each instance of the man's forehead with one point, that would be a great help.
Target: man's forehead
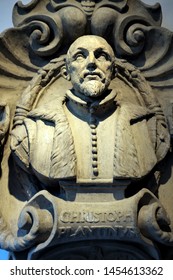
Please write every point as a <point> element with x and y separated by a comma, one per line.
<point>90,43</point>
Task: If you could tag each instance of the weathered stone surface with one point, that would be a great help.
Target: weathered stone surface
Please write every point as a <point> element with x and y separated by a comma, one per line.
<point>85,130</point>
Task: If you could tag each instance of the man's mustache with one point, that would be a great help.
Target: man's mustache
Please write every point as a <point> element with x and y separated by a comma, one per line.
<point>93,73</point>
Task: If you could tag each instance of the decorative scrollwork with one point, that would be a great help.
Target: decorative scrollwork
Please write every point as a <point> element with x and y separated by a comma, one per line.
<point>157,66</point>
<point>135,36</point>
<point>8,241</point>
<point>48,31</point>
<point>129,38</point>
<point>154,223</point>
<point>29,6</point>
<point>89,6</point>
<point>31,223</point>
<point>45,35</point>
<point>126,33</point>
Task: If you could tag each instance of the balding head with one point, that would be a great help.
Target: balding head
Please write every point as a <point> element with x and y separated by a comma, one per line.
<point>89,42</point>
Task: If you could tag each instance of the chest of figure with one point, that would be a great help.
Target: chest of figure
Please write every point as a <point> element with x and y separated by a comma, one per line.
<point>94,142</point>
<point>111,148</point>
<point>92,149</point>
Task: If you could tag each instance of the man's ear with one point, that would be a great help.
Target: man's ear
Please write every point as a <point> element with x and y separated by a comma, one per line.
<point>115,71</point>
<point>64,73</point>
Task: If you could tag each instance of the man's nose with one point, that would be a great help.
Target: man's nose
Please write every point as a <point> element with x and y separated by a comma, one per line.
<point>91,61</point>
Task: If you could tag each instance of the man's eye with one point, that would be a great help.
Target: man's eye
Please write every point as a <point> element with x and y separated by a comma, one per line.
<point>79,56</point>
<point>102,56</point>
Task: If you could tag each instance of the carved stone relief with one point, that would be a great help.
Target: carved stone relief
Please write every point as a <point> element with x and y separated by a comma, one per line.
<point>85,131</point>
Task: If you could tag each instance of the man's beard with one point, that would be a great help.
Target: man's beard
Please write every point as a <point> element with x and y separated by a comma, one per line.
<point>92,88</point>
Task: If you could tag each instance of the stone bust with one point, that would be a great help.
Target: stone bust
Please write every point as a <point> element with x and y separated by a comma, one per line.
<point>85,132</point>
<point>99,131</point>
